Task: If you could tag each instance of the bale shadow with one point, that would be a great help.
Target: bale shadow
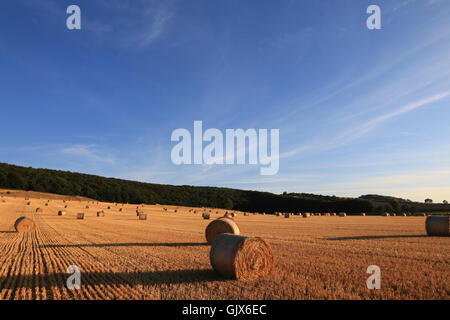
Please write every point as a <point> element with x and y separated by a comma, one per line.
<point>379,237</point>
<point>130,244</point>
<point>8,231</point>
<point>145,278</point>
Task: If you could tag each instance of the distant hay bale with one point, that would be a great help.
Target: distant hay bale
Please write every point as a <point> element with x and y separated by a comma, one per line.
<point>80,215</point>
<point>287,215</point>
<point>327,214</point>
<point>165,209</point>
<point>65,206</point>
<point>24,224</point>
<point>206,216</point>
<point>386,214</point>
<point>46,204</point>
<point>342,214</point>
<point>39,210</point>
<point>404,214</point>
<point>120,209</point>
<point>297,214</point>
<point>139,212</point>
<point>28,203</point>
<point>61,213</point>
<point>100,213</point>
<point>87,207</point>
<point>363,214</point>
<point>228,215</point>
<point>305,214</point>
<point>143,216</point>
<point>394,214</point>
<point>246,214</point>
<point>242,258</point>
<point>175,210</point>
<point>319,214</point>
<point>438,226</point>
<point>109,207</point>
<point>278,214</point>
<point>220,226</point>
<point>333,214</point>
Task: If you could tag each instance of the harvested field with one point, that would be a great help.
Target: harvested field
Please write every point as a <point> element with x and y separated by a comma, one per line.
<point>167,256</point>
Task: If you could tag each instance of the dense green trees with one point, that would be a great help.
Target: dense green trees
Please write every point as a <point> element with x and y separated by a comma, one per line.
<point>117,190</point>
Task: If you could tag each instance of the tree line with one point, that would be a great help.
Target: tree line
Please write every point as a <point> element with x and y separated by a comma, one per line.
<point>125,191</point>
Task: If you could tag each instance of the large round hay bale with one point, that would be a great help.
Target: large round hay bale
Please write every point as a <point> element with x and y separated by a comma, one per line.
<point>404,214</point>
<point>120,209</point>
<point>143,216</point>
<point>220,226</point>
<point>333,214</point>
<point>80,215</point>
<point>138,212</point>
<point>386,214</point>
<point>363,214</point>
<point>39,210</point>
<point>305,214</point>
<point>61,213</point>
<point>241,258</point>
<point>287,215</point>
<point>342,214</point>
<point>87,207</point>
<point>246,214</point>
<point>228,215</point>
<point>28,203</point>
<point>24,224</point>
<point>327,214</point>
<point>438,225</point>
<point>109,207</point>
<point>65,206</point>
<point>206,216</point>
<point>100,213</point>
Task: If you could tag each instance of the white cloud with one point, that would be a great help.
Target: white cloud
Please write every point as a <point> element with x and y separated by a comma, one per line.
<point>87,152</point>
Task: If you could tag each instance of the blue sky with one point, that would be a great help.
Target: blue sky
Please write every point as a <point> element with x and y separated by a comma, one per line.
<point>359,111</point>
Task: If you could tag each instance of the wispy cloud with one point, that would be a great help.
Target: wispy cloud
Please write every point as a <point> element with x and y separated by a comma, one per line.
<point>87,152</point>
<point>160,19</point>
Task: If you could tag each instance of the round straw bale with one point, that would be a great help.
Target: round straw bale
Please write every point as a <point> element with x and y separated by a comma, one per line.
<point>246,214</point>
<point>46,204</point>
<point>333,214</point>
<point>342,214</point>
<point>24,224</point>
<point>327,214</point>
<point>28,203</point>
<point>39,210</point>
<point>65,206</point>
<point>305,214</point>
<point>100,213</point>
<point>287,215</point>
<point>109,207</point>
<point>220,226</point>
<point>438,225</point>
<point>138,212</point>
<point>61,213</point>
<point>363,214</point>
<point>80,215</point>
<point>120,209</point>
<point>228,215</point>
<point>87,207</point>
<point>386,214</point>
<point>404,214</point>
<point>242,258</point>
<point>278,214</point>
<point>143,216</point>
<point>206,216</point>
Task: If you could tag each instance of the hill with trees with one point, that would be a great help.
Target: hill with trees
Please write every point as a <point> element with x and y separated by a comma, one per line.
<point>119,190</point>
